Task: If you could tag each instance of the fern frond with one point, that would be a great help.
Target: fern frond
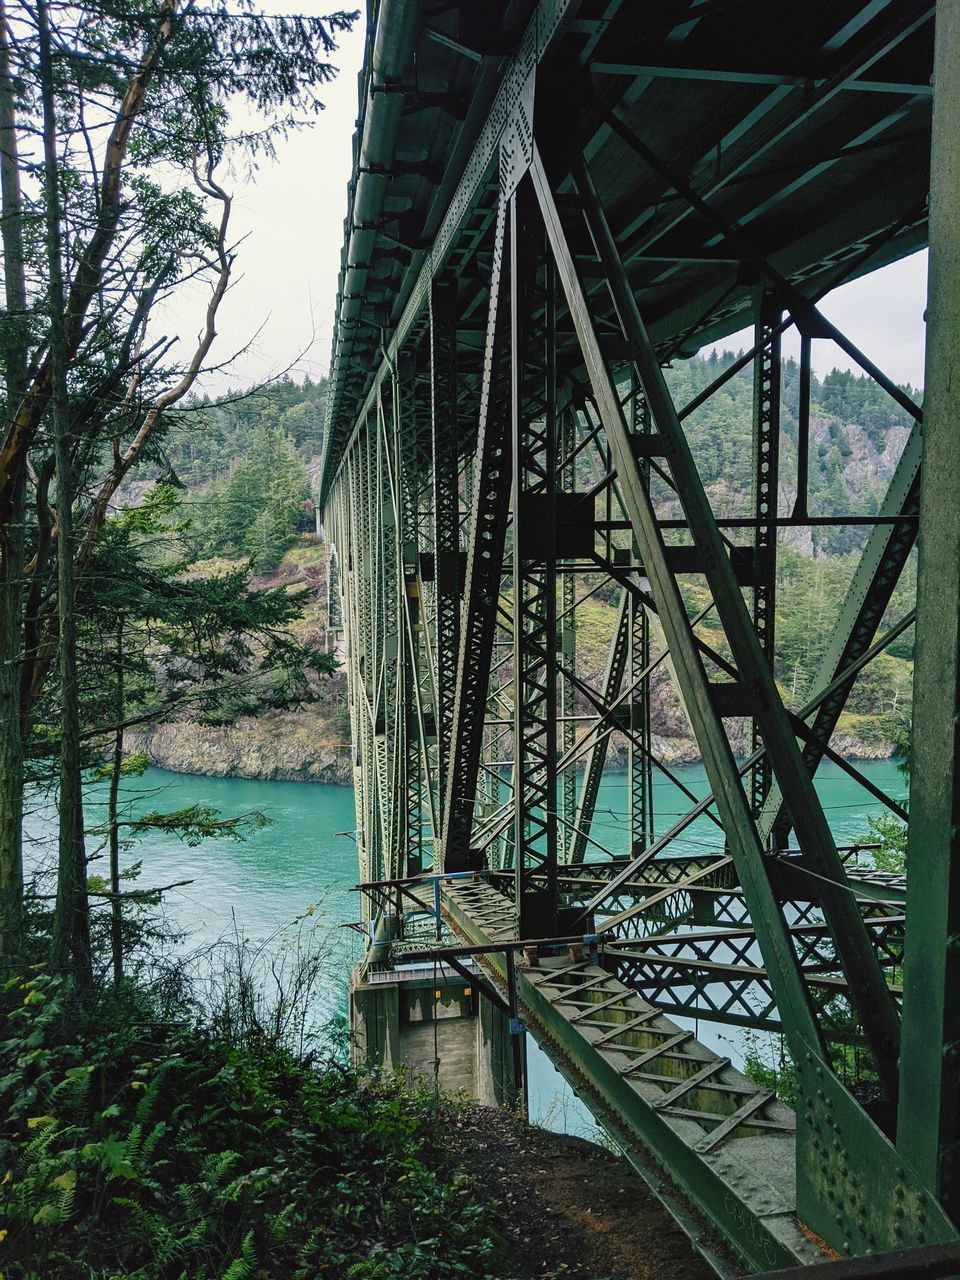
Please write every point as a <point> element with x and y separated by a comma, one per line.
<point>242,1267</point>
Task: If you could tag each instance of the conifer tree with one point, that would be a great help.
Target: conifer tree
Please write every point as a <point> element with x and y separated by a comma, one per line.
<point>122,205</point>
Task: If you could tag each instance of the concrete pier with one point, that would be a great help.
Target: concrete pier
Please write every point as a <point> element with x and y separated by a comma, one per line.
<point>432,1024</point>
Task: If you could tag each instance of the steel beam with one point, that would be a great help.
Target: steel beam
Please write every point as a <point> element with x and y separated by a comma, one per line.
<point>929,1122</point>
<point>491,479</point>
<point>534,556</point>
<point>766,478</point>
<point>446,512</point>
<point>757,686</point>
<point>870,996</point>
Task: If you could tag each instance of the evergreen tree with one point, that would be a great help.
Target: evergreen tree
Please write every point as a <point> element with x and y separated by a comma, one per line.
<point>131,103</point>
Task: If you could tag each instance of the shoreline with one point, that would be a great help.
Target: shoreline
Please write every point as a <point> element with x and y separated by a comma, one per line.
<point>614,769</point>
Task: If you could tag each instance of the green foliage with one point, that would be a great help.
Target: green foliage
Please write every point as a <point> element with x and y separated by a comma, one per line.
<point>842,404</point>
<point>206,437</point>
<point>193,824</point>
<point>132,766</point>
<point>258,508</point>
<point>208,645</point>
<point>768,1064</point>
<point>132,1147</point>
<point>890,835</point>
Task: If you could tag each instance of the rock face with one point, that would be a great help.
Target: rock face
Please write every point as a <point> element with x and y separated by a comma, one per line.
<point>279,746</point>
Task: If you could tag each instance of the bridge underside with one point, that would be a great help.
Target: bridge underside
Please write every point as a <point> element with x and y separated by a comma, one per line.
<point>551,204</point>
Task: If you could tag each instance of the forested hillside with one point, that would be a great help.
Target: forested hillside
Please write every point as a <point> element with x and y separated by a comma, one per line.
<point>857,434</point>
<point>248,465</point>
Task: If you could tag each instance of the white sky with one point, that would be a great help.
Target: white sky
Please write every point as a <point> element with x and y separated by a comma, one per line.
<point>292,215</point>
<point>881,313</point>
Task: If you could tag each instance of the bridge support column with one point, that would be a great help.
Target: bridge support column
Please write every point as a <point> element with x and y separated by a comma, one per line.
<point>534,423</point>
<point>430,1026</point>
<point>929,1115</point>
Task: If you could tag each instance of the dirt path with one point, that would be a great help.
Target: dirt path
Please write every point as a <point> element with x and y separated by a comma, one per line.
<point>570,1209</point>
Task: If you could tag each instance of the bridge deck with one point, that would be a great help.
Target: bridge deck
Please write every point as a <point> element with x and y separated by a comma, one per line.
<point>805,124</point>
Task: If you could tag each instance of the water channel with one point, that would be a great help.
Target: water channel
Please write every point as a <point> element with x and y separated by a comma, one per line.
<point>302,860</point>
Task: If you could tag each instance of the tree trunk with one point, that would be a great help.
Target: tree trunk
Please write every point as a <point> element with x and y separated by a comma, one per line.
<point>116,905</point>
<point>70,949</point>
<point>12,534</point>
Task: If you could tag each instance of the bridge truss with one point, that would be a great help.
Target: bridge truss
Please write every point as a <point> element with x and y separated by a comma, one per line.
<point>551,202</point>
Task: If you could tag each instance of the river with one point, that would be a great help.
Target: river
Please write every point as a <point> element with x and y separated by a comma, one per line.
<point>301,860</point>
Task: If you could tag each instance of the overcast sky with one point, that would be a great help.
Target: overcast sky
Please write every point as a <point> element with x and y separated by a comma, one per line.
<point>292,217</point>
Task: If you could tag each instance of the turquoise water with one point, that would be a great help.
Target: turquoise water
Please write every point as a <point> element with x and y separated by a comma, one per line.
<point>265,885</point>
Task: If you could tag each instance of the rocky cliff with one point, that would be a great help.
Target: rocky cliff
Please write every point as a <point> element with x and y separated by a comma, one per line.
<point>279,746</point>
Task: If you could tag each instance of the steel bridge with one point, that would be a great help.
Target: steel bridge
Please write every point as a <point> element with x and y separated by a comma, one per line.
<point>550,203</point>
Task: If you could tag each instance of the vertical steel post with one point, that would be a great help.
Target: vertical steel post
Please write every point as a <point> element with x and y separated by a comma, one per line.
<point>929,1114</point>
<point>534,424</point>
<point>446,510</point>
<point>568,654</point>
<point>640,737</point>
<point>407,480</point>
<point>766,458</point>
<point>803,429</point>
<point>484,568</point>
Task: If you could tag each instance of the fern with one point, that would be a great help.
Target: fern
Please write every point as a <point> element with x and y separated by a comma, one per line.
<point>165,1244</point>
<point>145,1106</point>
<point>217,1165</point>
<point>131,1147</point>
<point>152,1139</point>
<point>243,1266</point>
<point>70,1094</point>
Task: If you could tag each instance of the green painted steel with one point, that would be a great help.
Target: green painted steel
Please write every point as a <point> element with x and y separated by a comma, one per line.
<point>680,1103</point>
<point>930,1095</point>
<point>501,445</point>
